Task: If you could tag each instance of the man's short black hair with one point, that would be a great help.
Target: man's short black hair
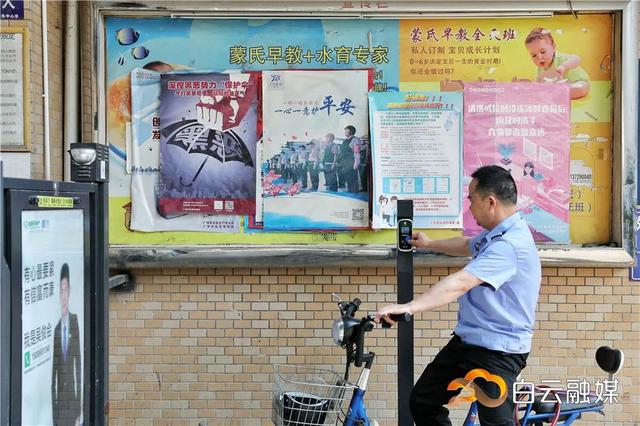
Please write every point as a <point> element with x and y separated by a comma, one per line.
<point>64,272</point>
<point>494,180</point>
<point>351,129</point>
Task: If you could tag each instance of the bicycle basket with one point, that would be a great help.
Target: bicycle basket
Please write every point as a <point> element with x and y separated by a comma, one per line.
<point>305,396</point>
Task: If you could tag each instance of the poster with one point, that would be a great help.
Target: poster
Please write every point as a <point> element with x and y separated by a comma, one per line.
<point>314,167</point>
<point>405,55</point>
<point>417,154</point>
<point>208,143</point>
<point>145,171</point>
<point>524,128</point>
<point>52,316</point>
<point>13,136</point>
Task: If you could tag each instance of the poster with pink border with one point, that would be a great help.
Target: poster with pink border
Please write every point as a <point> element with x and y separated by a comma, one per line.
<point>525,128</point>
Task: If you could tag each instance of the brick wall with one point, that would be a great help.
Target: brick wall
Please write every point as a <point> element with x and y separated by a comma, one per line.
<point>88,88</point>
<point>55,21</point>
<point>195,346</point>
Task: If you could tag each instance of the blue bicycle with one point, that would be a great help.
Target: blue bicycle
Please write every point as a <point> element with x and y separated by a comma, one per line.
<point>305,396</point>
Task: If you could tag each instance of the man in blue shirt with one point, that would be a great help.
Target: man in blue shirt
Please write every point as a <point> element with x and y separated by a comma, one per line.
<point>497,293</point>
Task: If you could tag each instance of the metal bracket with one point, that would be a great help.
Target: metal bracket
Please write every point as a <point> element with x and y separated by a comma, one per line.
<point>121,283</point>
<point>571,9</point>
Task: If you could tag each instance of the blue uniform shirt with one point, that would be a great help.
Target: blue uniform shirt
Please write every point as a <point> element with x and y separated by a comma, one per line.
<point>499,314</point>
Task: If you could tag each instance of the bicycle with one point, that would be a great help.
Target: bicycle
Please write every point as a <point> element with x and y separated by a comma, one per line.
<point>305,396</point>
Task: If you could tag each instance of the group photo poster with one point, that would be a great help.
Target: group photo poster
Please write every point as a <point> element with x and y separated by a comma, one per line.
<point>525,129</point>
<point>315,150</point>
<point>145,167</point>
<point>406,55</point>
<point>416,150</point>
<point>53,325</point>
<point>208,134</point>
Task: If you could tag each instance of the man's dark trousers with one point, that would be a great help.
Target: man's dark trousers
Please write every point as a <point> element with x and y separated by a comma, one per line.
<point>455,360</point>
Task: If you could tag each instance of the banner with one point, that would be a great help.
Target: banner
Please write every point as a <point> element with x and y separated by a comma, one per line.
<point>315,150</point>
<point>145,158</point>
<point>417,155</point>
<point>208,143</point>
<point>52,316</point>
<point>524,128</point>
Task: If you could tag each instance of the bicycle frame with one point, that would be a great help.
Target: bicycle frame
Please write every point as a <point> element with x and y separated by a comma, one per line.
<point>349,333</point>
<point>357,413</point>
<point>530,418</point>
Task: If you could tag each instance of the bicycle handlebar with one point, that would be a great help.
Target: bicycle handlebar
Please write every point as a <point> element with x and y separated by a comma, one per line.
<point>406,317</point>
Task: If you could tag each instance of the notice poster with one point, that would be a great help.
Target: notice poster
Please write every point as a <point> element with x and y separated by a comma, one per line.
<point>13,134</point>
<point>52,316</point>
<point>417,153</point>
<point>145,171</point>
<point>315,154</point>
<point>525,128</point>
<point>208,143</point>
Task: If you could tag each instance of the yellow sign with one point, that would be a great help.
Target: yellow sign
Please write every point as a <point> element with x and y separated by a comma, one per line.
<point>55,202</point>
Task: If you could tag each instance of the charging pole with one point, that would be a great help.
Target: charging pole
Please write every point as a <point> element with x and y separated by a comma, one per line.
<point>405,294</point>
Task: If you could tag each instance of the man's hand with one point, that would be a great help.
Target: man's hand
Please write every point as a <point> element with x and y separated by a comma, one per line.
<point>419,240</point>
<point>392,309</point>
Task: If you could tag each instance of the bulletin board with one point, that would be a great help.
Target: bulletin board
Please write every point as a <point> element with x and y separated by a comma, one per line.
<point>405,54</point>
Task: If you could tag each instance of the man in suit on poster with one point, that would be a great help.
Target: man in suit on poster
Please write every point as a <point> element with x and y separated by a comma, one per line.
<point>66,385</point>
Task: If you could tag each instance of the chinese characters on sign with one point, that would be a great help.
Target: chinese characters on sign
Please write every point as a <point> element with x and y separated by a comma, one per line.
<point>52,331</point>
<point>461,34</point>
<point>145,147</point>
<point>525,129</point>
<point>313,171</point>
<point>416,155</point>
<point>12,9</point>
<point>313,107</point>
<point>12,134</point>
<point>440,51</point>
<point>292,55</point>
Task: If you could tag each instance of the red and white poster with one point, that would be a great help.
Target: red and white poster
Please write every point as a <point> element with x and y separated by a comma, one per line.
<point>208,143</point>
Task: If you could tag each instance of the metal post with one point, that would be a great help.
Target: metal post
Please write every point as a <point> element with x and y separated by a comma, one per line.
<point>5,315</point>
<point>100,406</point>
<point>405,329</point>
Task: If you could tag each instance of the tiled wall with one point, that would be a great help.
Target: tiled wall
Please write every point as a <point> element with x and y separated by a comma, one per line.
<point>55,22</point>
<point>195,346</point>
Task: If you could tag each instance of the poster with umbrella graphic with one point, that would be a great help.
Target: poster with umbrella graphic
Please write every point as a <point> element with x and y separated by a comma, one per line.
<point>145,170</point>
<point>208,143</point>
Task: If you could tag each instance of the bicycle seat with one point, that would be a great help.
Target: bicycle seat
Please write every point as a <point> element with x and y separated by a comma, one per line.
<point>541,407</point>
<point>610,360</point>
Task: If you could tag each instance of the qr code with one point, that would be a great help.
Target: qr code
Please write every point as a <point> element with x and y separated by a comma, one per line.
<point>357,214</point>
